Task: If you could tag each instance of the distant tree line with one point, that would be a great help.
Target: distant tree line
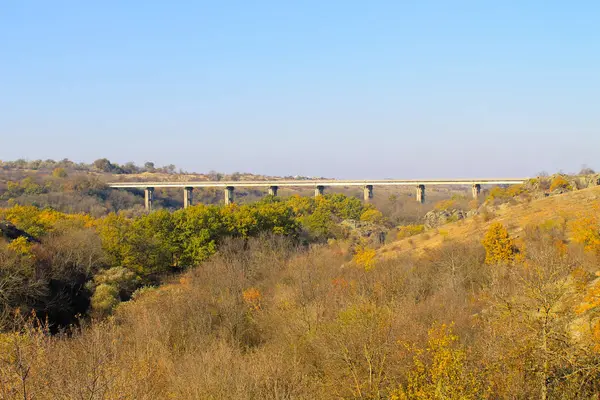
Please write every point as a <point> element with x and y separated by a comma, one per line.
<point>100,165</point>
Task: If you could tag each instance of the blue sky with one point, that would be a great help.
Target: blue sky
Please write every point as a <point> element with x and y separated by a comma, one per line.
<point>348,89</point>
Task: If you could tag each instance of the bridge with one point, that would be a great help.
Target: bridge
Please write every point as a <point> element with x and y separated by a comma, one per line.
<point>319,185</point>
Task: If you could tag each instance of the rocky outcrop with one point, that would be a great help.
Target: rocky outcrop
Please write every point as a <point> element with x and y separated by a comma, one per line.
<point>11,232</point>
<point>587,181</point>
<point>435,218</point>
<point>363,229</point>
<point>543,186</point>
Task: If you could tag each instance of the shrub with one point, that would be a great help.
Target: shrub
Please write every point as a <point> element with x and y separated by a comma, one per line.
<point>252,297</point>
<point>509,192</point>
<point>124,280</point>
<point>59,173</point>
<point>372,215</point>
<point>140,292</point>
<point>559,182</point>
<point>440,371</point>
<point>445,205</point>
<point>586,231</point>
<point>409,230</point>
<point>105,298</point>
<point>364,257</point>
<point>487,215</point>
<point>499,247</point>
<point>20,246</point>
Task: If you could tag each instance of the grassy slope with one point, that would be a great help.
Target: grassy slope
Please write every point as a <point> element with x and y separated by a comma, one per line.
<point>559,208</point>
<point>566,206</point>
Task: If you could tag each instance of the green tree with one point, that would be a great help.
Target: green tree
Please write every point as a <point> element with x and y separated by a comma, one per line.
<point>149,166</point>
<point>344,207</point>
<point>198,230</point>
<point>372,215</point>
<point>103,165</point>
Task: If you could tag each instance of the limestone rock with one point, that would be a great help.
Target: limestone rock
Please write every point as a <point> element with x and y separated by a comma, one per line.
<point>363,229</point>
<point>435,218</point>
<point>590,180</point>
<point>473,212</point>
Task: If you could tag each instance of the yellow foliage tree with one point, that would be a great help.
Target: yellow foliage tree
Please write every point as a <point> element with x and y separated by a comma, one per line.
<point>499,247</point>
<point>372,215</point>
<point>440,371</point>
<point>589,307</point>
<point>21,246</point>
<point>364,257</point>
<point>586,231</point>
<point>409,230</point>
<point>59,173</point>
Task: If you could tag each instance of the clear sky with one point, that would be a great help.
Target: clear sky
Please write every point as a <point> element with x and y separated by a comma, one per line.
<point>348,89</point>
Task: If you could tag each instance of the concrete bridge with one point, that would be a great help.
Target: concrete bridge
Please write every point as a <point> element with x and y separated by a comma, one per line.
<point>319,186</point>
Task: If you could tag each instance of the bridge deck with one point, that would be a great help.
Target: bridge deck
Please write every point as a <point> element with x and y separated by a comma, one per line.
<point>314,183</point>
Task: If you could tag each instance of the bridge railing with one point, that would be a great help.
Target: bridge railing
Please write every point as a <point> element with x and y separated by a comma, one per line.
<point>319,185</point>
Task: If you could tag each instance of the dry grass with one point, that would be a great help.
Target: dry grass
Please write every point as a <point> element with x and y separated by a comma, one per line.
<point>323,329</point>
<point>264,319</point>
<point>561,207</point>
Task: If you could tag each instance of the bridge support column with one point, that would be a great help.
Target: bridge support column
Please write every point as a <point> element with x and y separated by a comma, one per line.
<point>368,193</point>
<point>187,197</point>
<point>273,190</point>
<point>319,190</point>
<point>148,198</point>
<point>421,193</point>
<point>229,195</point>
<point>476,190</point>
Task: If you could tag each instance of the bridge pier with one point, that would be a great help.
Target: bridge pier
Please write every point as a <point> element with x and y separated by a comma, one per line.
<point>476,190</point>
<point>187,197</point>
<point>421,193</point>
<point>229,195</point>
<point>273,190</point>
<point>368,193</point>
<point>319,190</point>
<point>148,198</point>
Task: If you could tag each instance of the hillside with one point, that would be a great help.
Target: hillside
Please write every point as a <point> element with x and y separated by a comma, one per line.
<point>296,297</point>
<point>559,208</point>
<point>265,317</point>
<point>82,188</point>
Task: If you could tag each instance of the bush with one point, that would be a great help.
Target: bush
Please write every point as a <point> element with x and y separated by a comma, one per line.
<point>364,257</point>
<point>586,231</point>
<point>500,193</point>
<point>409,230</point>
<point>440,370</point>
<point>124,280</point>
<point>559,182</point>
<point>105,298</point>
<point>372,215</point>
<point>499,247</point>
<point>59,173</point>
<point>444,205</point>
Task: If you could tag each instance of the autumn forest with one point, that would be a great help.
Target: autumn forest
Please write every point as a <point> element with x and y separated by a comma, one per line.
<point>295,297</point>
